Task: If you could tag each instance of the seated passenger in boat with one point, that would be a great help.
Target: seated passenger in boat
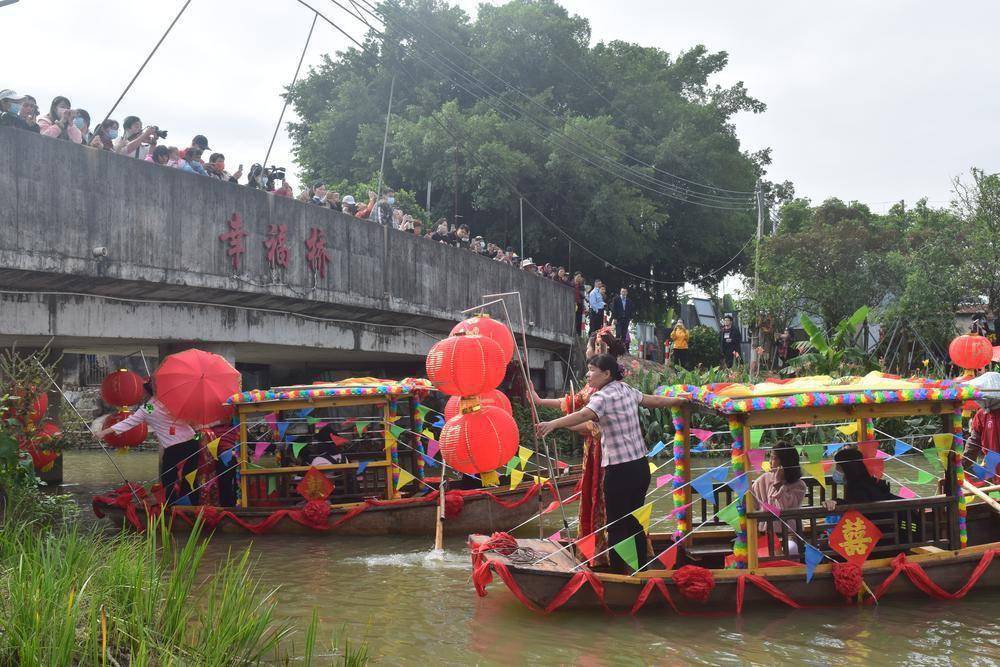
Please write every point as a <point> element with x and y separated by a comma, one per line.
<point>859,486</point>
<point>782,486</point>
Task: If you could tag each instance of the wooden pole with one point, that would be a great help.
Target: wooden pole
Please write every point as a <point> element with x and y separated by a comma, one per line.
<point>439,527</point>
<point>994,505</point>
<point>243,460</point>
<point>750,502</point>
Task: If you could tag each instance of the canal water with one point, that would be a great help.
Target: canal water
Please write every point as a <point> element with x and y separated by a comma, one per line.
<point>413,608</point>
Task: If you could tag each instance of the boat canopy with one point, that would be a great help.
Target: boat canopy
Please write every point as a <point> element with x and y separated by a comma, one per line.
<point>365,387</point>
<point>821,391</point>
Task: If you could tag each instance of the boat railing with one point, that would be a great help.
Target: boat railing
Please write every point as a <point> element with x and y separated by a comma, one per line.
<point>905,525</point>
<point>816,494</point>
<point>276,487</point>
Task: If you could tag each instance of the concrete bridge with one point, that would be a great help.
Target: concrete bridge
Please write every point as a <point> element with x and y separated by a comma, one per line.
<point>263,280</point>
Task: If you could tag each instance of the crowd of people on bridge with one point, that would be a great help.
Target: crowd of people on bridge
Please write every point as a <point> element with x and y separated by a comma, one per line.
<point>135,139</point>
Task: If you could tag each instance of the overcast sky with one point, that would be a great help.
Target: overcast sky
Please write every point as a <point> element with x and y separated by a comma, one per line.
<point>874,101</point>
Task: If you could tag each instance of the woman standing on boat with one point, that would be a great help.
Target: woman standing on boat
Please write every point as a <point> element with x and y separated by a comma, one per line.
<point>615,405</point>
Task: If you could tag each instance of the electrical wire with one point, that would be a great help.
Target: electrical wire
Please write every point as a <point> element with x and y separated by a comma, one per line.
<point>502,177</point>
<point>382,16</point>
<point>547,133</point>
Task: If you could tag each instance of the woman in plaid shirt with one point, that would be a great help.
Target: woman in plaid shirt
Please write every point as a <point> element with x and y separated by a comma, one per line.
<point>623,449</point>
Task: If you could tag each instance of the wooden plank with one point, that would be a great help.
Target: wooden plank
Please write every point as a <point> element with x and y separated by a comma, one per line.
<point>297,469</point>
<point>318,403</point>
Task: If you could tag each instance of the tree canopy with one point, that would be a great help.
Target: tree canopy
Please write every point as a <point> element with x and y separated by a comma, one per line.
<point>609,141</point>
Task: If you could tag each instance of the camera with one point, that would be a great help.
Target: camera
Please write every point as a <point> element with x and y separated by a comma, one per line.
<point>162,134</point>
<point>265,178</point>
<point>276,173</point>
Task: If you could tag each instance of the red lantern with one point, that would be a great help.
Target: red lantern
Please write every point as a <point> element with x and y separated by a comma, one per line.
<point>479,441</point>
<point>493,398</point>
<point>131,438</point>
<point>47,432</point>
<point>486,326</point>
<point>122,388</point>
<point>465,365</point>
<point>971,352</point>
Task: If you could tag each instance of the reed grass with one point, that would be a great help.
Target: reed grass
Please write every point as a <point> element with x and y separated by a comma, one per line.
<point>73,596</point>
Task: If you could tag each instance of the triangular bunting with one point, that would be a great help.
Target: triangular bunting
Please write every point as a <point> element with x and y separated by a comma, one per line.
<point>739,485</point>
<point>282,428</point>
<point>899,448</point>
<point>272,485</point>
<point>396,431</point>
<point>756,457</point>
<point>427,432</point>
<point>586,546</point>
<point>642,515</point>
<point>702,434</point>
<point>305,412</point>
<point>663,480</point>
<point>512,464</point>
<point>258,450</point>
<point>404,478</point>
<point>432,447</point>
<point>924,477</point>
<point>422,410</point>
<point>933,459</point>
<point>668,557</point>
<point>489,478</point>
<point>340,441</point>
<point>906,492</point>
<point>297,448</point>
<point>516,475</point>
<point>190,477</point>
<point>652,468</point>
<point>361,468</point>
<point>226,457</point>
<point>814,453</point>
<point>816,471</point>
<point>524,454</point>
<point>991,462</point>
<point>213,448</point>
<point>657,448</point>
<point>755,435</point>
<point>729,514</point>
<point>813,558</point>
<point>361,426</point>
<point>848,429</point>
<point>539,479</point>
<point>430,460</point>
<point>626,549</point>
<point>943,440</point>
<point>833,448</point>
<point>438,422</point>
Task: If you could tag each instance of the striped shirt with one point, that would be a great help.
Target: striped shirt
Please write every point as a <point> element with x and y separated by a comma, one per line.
<point>168,430</point>
<point>617,407</point>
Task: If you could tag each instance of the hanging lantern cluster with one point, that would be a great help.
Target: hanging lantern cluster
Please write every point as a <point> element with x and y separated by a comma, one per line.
<point>479,434</point>
<point>37,432</point>
<point>123,389</point>
<point>971,352</point>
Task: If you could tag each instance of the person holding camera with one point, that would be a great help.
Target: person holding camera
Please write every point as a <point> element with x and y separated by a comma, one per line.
<point>61,121</point>
<point>137,142</point>
<point>216,168</point>
<point>365,211</point>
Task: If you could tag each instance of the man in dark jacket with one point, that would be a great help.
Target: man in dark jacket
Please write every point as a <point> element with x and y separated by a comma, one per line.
<point>622,311</point>
<point>730,341</point>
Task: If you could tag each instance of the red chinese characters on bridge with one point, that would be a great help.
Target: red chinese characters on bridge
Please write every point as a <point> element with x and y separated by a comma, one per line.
<point>277,247</point>
<point>234,237</point>
<point>316,253</point>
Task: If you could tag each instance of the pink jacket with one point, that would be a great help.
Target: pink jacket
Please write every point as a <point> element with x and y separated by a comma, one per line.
<point>783,496</point>
<point>50,129</point>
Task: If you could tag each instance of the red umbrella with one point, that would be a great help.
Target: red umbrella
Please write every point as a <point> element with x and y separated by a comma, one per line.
<point>193,385</point>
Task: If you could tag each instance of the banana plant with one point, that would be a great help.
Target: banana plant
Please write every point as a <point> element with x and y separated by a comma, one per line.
<point>836,354</point>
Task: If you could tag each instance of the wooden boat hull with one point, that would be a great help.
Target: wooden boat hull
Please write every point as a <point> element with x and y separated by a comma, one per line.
<point>561,582</point>
<point>479,513</point>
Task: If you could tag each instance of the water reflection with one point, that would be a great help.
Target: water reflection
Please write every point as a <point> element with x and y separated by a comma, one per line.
<point>412,608</point>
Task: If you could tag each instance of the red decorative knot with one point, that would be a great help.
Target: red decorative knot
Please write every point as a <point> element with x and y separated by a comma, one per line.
<point>316,253</point>
<point>695,583</point>
<point>277,246</point>
<point>234,237</point>
<point>847,579</point>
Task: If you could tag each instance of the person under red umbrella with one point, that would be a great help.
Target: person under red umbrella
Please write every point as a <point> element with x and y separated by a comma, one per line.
<point>178,442</point>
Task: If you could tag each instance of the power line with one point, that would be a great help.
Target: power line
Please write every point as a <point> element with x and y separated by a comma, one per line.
<point>614,168</point>
<point>528,97</point>
<point>513,186</point>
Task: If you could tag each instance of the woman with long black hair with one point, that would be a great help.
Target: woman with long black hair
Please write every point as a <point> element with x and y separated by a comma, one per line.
<point>615,405</point>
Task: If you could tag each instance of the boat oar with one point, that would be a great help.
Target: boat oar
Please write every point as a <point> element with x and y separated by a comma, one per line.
<point>439,528</point>
<point>974,490</point>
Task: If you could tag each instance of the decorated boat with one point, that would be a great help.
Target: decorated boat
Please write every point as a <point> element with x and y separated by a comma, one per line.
<point>728,551</point>
<point>354,457</point>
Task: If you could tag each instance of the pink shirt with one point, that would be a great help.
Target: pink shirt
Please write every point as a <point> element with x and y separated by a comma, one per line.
<point>168,430</point>
<point>50,129</point>
<point>783,496</point>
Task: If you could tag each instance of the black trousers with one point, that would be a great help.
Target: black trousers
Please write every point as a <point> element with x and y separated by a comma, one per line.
<point>226,480</point>
<point>578,320</point>
<point>172,456</point>
<point>596,321</point>
<point>625,486</point>
<point>621,330</point>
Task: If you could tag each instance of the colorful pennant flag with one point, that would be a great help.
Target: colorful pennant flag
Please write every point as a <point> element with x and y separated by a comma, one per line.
<point>816,471</point>
<point>361,468</point>
<point>226,457</point>
<point>730,514</point>
<point>739,485</point>
<point>429,460</point>
<point>213,448</point>
<point>430,434</point>
<point>756,457</point>
<point>668,557</point>
<point>991,461</point>
<point>404,478</point>
<point>361,426</point>
<point>272,485</point>
<point>438,422</point>
<point>183,500</point>
<point>538,479</point>
<point>555,537</point>
<point>551,507</point>
<point>258,450</point>
<point>626,549</point>
<point>489,478</point>
<point>699,448</point>
<point>297,448</point>
<point>338,440</point>
<point>586,545</point>
<point>396,431</point>
<point>305,412</point>
<point>652,468</point>
<point>642,516</point>
<point>768,507</point>
<point>906,492</point>
<point>924,477</point>
<point>755,435</point>
<point>933,458</point>
<point>719,473</point>
<point>705,487</point>
<point>813,558</point>
<point>899,448</point>
<point>422,411</point>
<point>524,454</point>
<point>657,448</point>
<point>512,464</point>
<point>432,447</point>
<point>703,435</point>
<point>814,453</point>
<point>664,479</point>
<point>833,448</point>
<point>943,440</point>
<point>190,477</point>
<point>678,510</point>
<point>848,429</point>
<point>315,420</point>
<point>282,428</point>
<point>516,475</point>
<point>271,420</point>
<point>980,472</point>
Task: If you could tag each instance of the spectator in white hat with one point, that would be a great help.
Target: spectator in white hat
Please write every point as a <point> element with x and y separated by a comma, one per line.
<point>18,110</point>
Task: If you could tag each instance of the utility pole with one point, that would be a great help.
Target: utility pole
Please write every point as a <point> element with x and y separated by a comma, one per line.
<point>428,208</point>
<point>385,138</point>
<point>755,333</point>
<point>520,202</point>
<point>455,186</point>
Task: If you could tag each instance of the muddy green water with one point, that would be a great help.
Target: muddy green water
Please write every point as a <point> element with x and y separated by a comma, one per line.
<point>413,609</point>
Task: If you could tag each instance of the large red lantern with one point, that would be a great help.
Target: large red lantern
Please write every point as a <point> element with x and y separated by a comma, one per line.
<point>122,388</point>
<point>971,352</point>
<point>479,441</point>
<point>493,398</point>
<point>486,326</point>
<point>465,365</point>
<point>133,437</point>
